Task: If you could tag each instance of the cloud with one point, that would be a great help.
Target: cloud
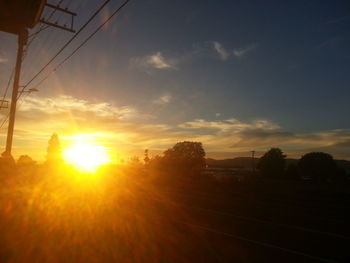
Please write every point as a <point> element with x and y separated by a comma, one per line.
<point>260,135</point>
<point>41,107</point>
<point>3,60</point>
<point>162,100</point>
<point>155,61</point>
<point>239,52</point>
<point>223,53</point>
<point>233,125</point>
<point>126,128</point>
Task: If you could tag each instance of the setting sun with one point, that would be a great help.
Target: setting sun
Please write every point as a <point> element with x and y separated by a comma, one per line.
<point>85,154</point>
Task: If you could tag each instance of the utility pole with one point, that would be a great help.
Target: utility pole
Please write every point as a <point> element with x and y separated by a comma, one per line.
<point>253,164</point>
<point>22,40</point>
<point>26,17</point>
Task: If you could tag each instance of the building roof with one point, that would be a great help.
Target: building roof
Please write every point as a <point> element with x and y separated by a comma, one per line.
<point>16,15</point>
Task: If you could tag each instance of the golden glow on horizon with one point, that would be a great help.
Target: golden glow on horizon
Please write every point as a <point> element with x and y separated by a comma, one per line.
<point>85,153</point>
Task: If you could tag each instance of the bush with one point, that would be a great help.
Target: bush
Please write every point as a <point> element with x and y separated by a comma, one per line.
<point>318,166</point>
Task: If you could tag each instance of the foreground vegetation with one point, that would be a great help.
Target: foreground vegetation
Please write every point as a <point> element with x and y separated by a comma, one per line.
<point>165,210</point>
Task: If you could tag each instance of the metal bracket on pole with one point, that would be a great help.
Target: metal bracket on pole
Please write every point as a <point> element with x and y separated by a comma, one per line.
<point>64,27</point>
<point>4,104</point>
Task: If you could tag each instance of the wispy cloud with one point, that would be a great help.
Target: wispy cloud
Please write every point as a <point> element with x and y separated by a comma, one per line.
<point>225,54</point>
<point>222,52</point>
<point>262,134</point>
<point>162,100</point>
<point>239,52</point>
<point>233,125</point>
<point>156,61</point>
<point>39,107</point>
<point>3,60</point>
<point>126,128</point>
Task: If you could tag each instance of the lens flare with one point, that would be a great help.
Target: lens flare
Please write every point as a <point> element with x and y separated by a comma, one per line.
<point>85,154</point>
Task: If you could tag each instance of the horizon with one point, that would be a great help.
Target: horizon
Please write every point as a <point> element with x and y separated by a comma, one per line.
<point>174,131</point>
<point>262,76</point>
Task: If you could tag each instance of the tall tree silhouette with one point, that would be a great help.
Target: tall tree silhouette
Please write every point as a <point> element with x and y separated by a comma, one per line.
<point>54,153</point>
<point>272,163</point>
<point>185,157</point>
<point>146,159</point>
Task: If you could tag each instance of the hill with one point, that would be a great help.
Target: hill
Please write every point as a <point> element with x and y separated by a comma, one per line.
<point>246,162</point>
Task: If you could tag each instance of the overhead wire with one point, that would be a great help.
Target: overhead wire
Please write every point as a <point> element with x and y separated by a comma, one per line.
<point>7,88</point>
<point>72,53</point>
<point>66,44</point>
<point>31,38</point>
<point>82,44</point>
<point>41,46</point>
<point>42,27</point>
<point>53,40</point>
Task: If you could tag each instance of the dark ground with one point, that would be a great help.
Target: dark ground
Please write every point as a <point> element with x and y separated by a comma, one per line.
<point>131,219</point>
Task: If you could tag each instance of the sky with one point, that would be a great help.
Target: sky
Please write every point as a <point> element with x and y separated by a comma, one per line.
<point>235,75</point>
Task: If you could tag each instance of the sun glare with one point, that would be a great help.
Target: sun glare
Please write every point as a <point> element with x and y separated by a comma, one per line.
<point>85,154</point>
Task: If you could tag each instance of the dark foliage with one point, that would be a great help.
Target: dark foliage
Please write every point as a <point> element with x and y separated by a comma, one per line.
<point>318,166</point>
<point>272,163</point>
<point>146,159</point>
<point>292,172</point>
<point>184,158</point>
<point>54,154</point>
<point>25,160</point>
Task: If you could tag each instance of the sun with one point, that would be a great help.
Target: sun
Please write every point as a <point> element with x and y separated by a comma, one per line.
<point>85,154</point>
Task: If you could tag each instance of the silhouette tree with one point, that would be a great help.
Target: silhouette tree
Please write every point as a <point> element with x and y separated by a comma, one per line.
<point>272,163</point>
<point>134,161</point>
<point>146,159</point>
<point>54,153</point>
<point>318,166</point>
<point>25,160</point>
<point>185,157</point>
<point>292,172</point>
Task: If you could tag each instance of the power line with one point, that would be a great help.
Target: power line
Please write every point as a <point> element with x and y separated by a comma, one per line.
<point>82,44</point>
<point>43,27</point>
<point>32,36</point>
<point>65,45</point>
<point>19,106</point>
<point>7,88</point>
<point>74,51</point>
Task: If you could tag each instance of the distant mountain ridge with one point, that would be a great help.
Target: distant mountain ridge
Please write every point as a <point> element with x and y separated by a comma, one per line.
<point>247,162</point>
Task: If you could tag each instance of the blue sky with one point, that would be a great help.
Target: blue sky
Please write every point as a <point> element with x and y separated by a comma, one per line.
<point>237,75</point>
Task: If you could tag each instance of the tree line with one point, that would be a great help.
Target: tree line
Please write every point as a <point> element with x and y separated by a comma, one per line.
<point>187,158</point>
<point>315,166</point>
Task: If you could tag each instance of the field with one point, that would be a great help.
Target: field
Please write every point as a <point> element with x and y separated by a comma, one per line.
<point>134,219</point>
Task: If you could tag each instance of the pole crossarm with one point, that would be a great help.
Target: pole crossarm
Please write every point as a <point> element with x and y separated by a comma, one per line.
<point>4,104</point>
<point>55,24</point>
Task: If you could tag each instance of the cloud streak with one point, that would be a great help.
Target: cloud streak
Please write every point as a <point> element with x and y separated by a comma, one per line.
<point>3,60</point>
<point>225,54</point>
<point>162,100</point>
<point>157,61</point>
<point>154,61</point>
<point>126,128</point>
<point>239,52</point>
